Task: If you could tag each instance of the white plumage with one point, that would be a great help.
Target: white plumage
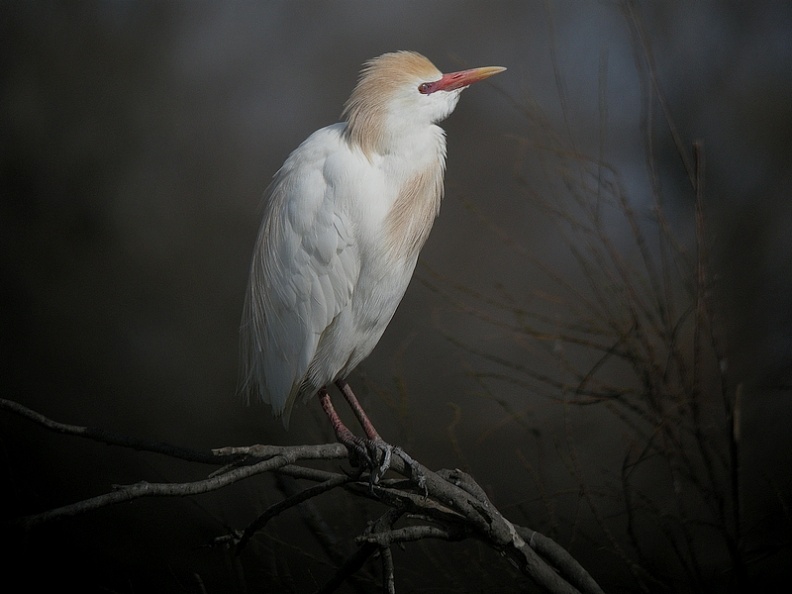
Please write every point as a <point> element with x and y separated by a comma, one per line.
<point>344,221</point>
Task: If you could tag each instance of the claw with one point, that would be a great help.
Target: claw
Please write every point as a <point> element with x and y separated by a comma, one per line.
<point>376,455</point>
<point>379,455</point>
<point>385,459</point>
<point>373,455</point>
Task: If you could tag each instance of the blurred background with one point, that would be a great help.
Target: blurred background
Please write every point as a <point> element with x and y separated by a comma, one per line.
<point>136,140</point>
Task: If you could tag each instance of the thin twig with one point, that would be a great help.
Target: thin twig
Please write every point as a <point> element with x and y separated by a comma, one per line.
<point>108,437</point>
<point>275,509</point>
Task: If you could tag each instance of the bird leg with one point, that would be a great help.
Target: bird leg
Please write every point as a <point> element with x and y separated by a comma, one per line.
<point>372,451</point>
<point>376,443</point>
<point>343,434</point>
<point>365,451</point>
<point>361,415</point>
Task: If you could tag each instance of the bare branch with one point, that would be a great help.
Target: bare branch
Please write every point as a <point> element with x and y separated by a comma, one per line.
<point>124,493</point>
<point>448,504</point>
<point>108,437</point>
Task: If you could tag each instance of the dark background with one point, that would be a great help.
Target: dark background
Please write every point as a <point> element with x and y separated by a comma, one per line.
<point>136,140</point>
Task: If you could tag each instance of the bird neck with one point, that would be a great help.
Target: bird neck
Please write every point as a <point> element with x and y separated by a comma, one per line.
<point>418,143</point>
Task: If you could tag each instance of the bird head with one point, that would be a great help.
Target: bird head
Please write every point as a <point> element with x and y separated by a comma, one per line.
<point>400,91</point>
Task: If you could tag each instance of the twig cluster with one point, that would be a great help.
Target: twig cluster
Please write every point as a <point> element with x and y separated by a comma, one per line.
<point>447,505</point>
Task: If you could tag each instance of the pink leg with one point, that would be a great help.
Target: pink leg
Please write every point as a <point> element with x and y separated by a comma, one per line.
<point>367,425</point>
<point>372,453</point>
<point>342,432</point>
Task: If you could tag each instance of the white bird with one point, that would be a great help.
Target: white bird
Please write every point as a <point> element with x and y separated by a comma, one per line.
<point>344,220</point>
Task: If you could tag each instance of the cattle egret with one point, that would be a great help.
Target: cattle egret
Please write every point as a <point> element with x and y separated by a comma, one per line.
<point>344,220</point>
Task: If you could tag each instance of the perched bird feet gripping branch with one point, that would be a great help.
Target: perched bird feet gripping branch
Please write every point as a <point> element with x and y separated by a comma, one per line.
<point>380,454</point>
<point>378,460</point>
<point>344,220</point>
<point>370,453</point>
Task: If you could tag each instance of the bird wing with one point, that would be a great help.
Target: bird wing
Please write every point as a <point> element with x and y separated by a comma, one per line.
<point>305,266</point>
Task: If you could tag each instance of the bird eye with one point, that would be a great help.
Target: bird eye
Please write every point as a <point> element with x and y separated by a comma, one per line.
<point>425,88</point>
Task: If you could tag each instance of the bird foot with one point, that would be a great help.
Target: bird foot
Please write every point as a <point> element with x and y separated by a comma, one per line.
<point>376,455</point>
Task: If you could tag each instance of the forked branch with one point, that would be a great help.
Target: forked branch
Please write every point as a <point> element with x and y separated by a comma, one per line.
<point>447,505</point>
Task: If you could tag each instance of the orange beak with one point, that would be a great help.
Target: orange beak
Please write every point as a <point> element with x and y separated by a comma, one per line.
<point>461,79</point>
